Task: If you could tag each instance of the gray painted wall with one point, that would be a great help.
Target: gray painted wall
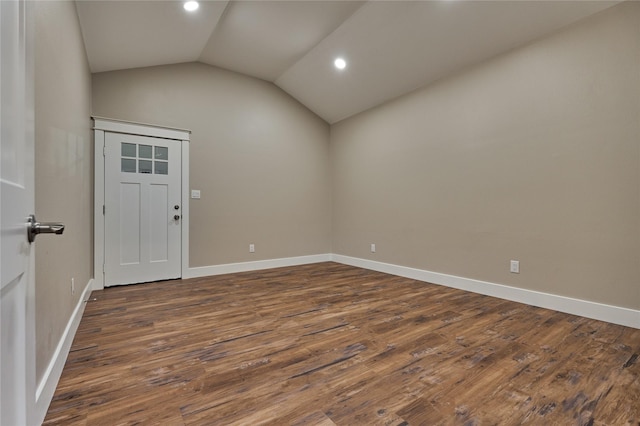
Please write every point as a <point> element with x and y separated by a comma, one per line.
<point>534,156</point>
<point>259,158</point>
<point>64,171</point>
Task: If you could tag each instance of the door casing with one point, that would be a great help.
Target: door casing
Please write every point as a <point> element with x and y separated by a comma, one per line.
<point>103,125</point>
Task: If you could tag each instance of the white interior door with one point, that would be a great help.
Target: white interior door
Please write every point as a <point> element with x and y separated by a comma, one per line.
<point>17,307</point>
<point>143,226</point>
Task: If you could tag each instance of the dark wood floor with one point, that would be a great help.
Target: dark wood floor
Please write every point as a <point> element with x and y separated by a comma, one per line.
<point>329,344</point>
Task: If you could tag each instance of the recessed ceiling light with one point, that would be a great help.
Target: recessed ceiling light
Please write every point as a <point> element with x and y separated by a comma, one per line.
<point>340,63</point>
<point>191,6</point>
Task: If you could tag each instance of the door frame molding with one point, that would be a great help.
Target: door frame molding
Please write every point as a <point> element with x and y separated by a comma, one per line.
<point>102,125</point>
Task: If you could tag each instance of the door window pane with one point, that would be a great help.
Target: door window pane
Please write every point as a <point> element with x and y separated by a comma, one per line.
<point>128,149</point>
<point>145,151</point>
<point>162,153</point>
<point>128,165</point>
<point>161,167</point>
<point>145,166</point>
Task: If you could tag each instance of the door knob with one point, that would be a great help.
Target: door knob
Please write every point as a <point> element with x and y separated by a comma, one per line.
<point>176,217</point>
<point>177,207</point>
<point>34,228</point>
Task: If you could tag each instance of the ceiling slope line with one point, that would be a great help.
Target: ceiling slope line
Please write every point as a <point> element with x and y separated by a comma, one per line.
<point>303,55</point>
<point>214,29</point>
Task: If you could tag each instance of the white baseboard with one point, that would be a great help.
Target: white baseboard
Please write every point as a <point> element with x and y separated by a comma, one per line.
<point>584,308</point>
<point>231,268</point>
<point>47,386</point>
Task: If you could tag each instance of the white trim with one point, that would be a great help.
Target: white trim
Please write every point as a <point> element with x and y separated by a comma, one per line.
<point>47,386</point>
<point>185,209</point>
<point>102,125</point>
<point>613,314</point>
<point>230,268</point>
<point>98,216</point>
<point>129,127</point>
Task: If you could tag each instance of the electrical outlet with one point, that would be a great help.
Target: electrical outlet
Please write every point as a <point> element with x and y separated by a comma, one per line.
<point>373,248</point>
<point>73,286</point>
<point>252,248</point>
<point>515,267</point>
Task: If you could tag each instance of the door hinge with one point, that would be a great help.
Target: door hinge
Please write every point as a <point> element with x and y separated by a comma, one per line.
<point>104,151</point>
<point>103,268</point>
<point>104,210</point>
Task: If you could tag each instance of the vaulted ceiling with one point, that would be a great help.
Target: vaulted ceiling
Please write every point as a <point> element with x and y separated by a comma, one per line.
<point>391,47</point>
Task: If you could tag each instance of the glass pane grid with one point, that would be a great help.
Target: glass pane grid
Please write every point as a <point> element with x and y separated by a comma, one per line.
<point>144,159</point>
<point>128,149</point>
<point>144,166</point>
<point>161,153</point>
<point>128,165</point>
<point>145,151</point>
<point>161,167</point>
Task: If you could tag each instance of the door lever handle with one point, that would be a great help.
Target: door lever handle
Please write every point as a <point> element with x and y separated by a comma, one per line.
<point>34,228</point>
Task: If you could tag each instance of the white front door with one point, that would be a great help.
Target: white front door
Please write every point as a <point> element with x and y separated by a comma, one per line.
<point>17,307</point>
<point>143,215</point>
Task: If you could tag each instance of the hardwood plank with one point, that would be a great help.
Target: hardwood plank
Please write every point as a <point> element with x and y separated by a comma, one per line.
<point>329,344</point>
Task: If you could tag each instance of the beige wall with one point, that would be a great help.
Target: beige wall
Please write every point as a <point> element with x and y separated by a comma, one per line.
<point>259,158</point>
<point>63,179</point>
<point>534,155</point>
